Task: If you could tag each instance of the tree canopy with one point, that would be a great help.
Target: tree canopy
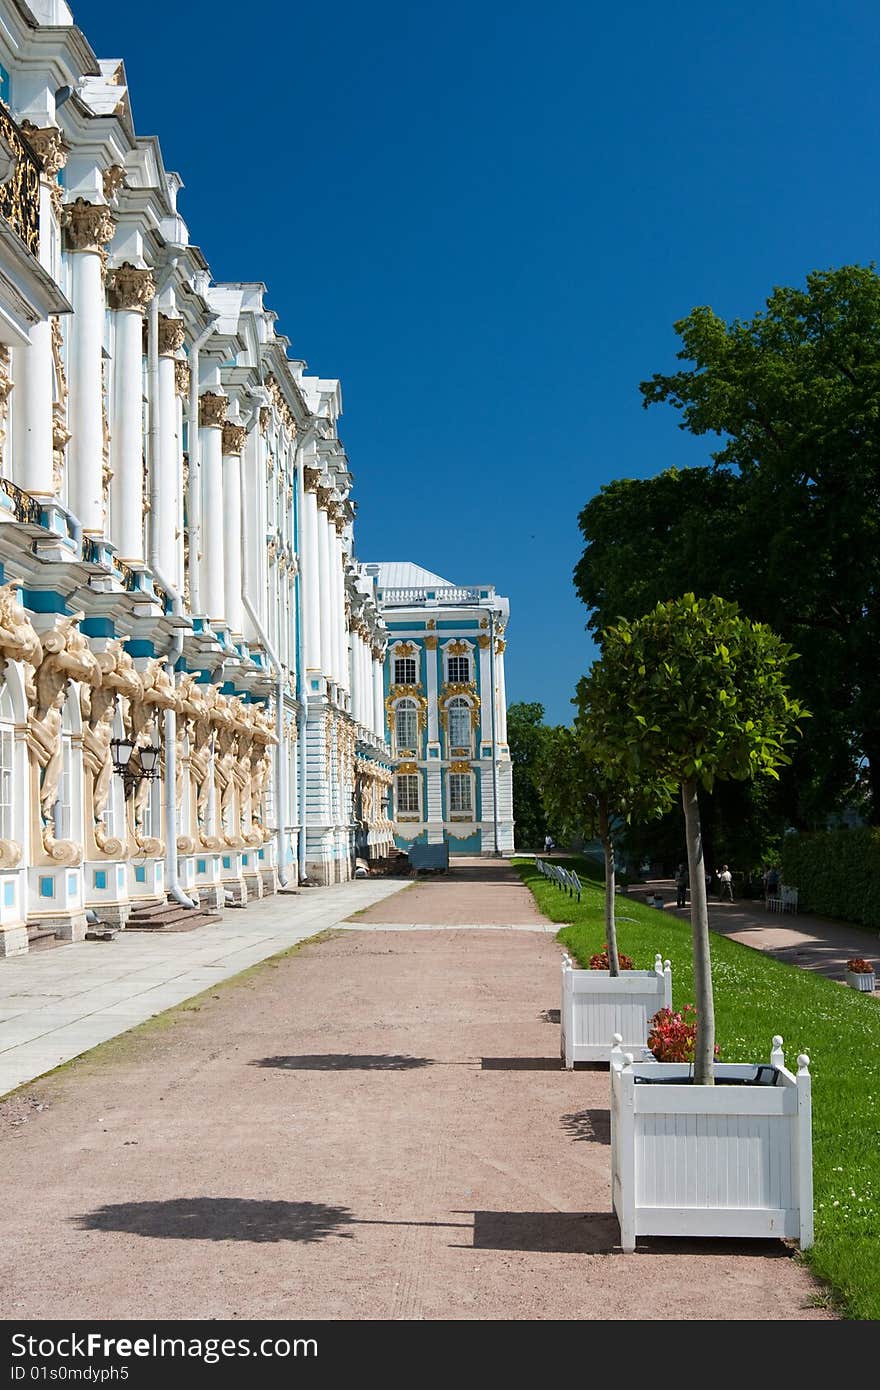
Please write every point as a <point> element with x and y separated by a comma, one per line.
<point>693,692</point>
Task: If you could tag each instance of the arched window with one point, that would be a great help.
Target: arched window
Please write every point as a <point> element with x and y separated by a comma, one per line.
<point>459,712</point>
<point>406,726</point>
<point>7,765</point>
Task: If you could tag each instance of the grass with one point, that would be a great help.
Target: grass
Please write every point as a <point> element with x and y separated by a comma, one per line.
<point>755,997</point>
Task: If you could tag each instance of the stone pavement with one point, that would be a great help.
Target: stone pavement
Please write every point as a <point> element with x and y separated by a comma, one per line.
<point>813,943</point>
<point>57,1004</point>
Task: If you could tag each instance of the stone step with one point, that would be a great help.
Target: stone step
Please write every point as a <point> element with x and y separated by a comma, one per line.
<point>174,919</point>
<point>42,938</point>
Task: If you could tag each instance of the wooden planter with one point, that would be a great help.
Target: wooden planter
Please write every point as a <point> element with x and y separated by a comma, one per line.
<point>597,1005</point>
<point>721,1160</point>
<point>862,980</point>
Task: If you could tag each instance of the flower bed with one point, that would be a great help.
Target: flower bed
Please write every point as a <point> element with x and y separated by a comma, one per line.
<point>860,975</point>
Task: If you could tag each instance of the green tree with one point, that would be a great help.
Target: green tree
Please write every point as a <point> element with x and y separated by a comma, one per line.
<point>694,692</point>
<point>589,791</point>
<point>526,732</point>
<point>794,395</point>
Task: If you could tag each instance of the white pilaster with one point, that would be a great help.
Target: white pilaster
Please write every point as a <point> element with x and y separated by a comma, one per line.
<point>32,405</point>
<point>212,408</point>
<point>326,595</point>
<point>89,227</point>
<point>131,290</point>
<point>166,514</point>
<point>431,683</point>
<point>310,574</point>
<point>233,439</point>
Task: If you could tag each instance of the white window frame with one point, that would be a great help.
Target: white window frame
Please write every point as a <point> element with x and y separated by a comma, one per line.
<point>461,780</point>
<point>460,705</point>
<point>466,657</point>
<point>407,707</point>
<point>400,810</point>
<point>406,661</point>
<point>7,782</point>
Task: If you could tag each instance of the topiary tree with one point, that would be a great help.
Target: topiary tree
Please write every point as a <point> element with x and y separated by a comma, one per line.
<point>586,790</point>
<point>695,692</point>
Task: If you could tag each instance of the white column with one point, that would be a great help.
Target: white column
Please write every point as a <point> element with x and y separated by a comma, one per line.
<point>309,568</point>
<point>502,695</point>
<point>212,408</point>
<point>325,592</point>
<point>130,291</point>
<point>486,693</point>
<point>32,365</point>
<point>379,698</point>
<point>32,406</point>
<point>89,227</point>
<point>355,676</point>
<point>233,437</point>
<point>365,704</point>
<point>431,684</point>
<point>253,484</point>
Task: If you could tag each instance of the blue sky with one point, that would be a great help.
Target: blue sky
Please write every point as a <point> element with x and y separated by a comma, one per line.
<point>486,217</point>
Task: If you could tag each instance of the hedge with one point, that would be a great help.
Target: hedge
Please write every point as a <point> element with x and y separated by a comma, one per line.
<point>836,873</point>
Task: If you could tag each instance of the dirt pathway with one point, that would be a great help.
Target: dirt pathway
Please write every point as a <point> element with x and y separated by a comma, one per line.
<point>485,892</point>
<point>376,1127</point>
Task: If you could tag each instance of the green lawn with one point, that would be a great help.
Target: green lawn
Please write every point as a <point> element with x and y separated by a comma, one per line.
<point>756,997</point>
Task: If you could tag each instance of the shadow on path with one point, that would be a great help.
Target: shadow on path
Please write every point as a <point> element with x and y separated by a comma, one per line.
<point>549,1016</point>
<point>221,1218</point>
<point>345,1061</point>
<point>520,1064</point>
<point>592,1126</point>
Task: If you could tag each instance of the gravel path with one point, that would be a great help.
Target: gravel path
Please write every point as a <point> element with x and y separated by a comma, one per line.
<point>375,1127</point>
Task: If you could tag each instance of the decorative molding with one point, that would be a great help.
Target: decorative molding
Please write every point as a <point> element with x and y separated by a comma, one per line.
<point>458,648</point>
<point>431,642</point>
<point>87,226</point>
<point>212,410</point>
<point>265,419</point>
<point>404,649</point>
<point>484,640</point>
<point>407,768</point>
<point>233,437</point>
<point>171,335</point>
<point>113,179</point>
<point>49,145</point>
<point>311,475</point>
<point>181,378</point>
<point>431,623</point>
<point>20,188</point>
<point>285,414</point>
<point>128,287</point>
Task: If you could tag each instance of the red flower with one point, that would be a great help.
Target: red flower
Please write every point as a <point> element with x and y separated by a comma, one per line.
<point>859,966</point>
<point>600,962</point>
<point>673,1036</point>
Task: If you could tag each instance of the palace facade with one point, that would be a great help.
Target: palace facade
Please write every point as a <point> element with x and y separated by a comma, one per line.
<point>446,709</point>
<point>192,700</point>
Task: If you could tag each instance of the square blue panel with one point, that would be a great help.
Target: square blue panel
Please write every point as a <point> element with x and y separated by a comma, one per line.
<point>100,878</point>
<point>71,883</point>
<point>120,876</point>
<point>47,887</point>
<point>227,861</point>
<point>9,895</point>
<point>200,866</point>
<point>140,873</point>
<point>261,854</point>
<point>244,859</point>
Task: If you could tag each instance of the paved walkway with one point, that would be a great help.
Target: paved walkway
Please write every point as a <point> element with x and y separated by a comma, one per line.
<point>813,943</point>
<point>475,892</point>
<point>376,1127</point>
<point>57,1004</point>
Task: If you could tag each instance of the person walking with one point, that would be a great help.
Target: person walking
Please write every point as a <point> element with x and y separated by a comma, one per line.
<point>681,885</point>
<point>549,845</point>
<point>725,892</point>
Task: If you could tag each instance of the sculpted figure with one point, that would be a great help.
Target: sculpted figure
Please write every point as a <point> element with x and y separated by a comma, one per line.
<point>18,638</point>
<point>66,656</point>
<point>261,767</point>
<point>155,693</point>
<point>224,765</point>
<point>115,675</point>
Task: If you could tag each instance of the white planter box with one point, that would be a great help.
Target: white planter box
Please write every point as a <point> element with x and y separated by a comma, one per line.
<point>711,1160</point>
<point>597,1005</point>
<point>861,980</point>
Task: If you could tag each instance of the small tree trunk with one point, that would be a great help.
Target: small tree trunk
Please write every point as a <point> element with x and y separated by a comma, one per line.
<point>704,1074</point>
<point>610,924</point>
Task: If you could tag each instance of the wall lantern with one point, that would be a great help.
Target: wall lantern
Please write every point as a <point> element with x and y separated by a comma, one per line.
<point>122,749</point>
<point>149,758</point>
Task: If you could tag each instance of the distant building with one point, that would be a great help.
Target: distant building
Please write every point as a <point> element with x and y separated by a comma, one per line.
<point>446,709</point>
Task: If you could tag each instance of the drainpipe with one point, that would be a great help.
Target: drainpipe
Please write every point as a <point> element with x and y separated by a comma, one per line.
<point>280,756</point>
<point>195,467</point>
<point>173,654</point>
<point>300,669</point>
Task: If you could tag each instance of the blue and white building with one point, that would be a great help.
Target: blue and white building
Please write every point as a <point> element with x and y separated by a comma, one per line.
<point>191,661</point>
<point>446,709</point>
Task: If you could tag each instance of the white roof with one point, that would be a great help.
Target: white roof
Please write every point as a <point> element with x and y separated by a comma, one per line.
<point>403,574</point>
